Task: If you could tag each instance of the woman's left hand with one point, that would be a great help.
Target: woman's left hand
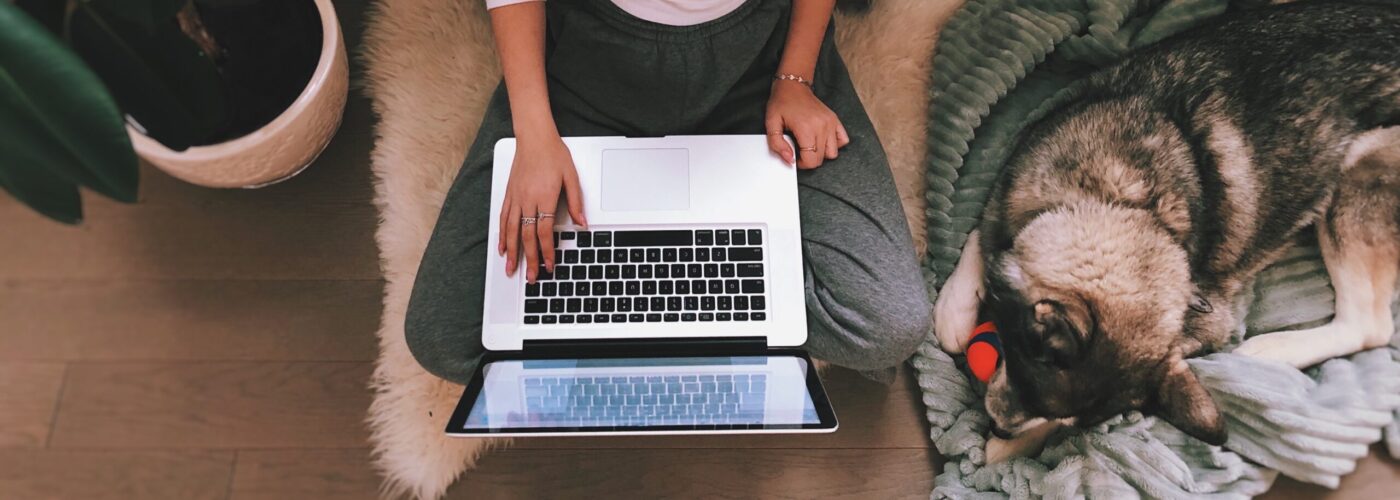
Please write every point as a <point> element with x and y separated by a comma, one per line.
<point>792,107</point>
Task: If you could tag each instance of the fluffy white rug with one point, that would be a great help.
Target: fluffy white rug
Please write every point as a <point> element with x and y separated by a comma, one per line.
<point>430,69</point>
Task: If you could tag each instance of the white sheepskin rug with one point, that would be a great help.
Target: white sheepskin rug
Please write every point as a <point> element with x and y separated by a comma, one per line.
<point>430,69</point>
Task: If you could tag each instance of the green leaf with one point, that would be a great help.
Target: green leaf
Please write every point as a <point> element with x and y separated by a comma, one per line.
<point>57,122</point>
<point>159,77</point>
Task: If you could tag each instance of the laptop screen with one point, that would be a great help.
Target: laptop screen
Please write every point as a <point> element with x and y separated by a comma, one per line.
<point>759,392</point>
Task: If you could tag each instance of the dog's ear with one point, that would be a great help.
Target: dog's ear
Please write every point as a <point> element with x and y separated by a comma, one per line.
<point>1183,402</point>
<point>1063,330</point>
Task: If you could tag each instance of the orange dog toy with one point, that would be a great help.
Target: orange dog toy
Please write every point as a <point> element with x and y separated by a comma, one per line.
<point>984,351</point>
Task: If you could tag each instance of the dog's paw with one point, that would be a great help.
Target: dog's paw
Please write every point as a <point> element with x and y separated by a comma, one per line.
<point>1291,348</point>
<point>955,312</point>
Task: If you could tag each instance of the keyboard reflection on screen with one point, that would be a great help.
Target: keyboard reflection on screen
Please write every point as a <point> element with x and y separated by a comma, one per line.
<point>644,400</point>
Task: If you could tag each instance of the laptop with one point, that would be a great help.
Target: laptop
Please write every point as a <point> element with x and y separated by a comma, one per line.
<point>678,310</point>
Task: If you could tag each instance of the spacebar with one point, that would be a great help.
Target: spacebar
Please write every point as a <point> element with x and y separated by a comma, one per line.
<point>670,238</point>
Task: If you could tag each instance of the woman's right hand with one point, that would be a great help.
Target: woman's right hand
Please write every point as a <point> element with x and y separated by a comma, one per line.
<point>541,170</point>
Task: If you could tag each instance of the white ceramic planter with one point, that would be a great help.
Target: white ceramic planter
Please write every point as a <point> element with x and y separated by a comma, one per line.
<point>283,147</point>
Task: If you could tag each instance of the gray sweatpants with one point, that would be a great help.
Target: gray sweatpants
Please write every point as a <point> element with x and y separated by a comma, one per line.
<point>614,74</point>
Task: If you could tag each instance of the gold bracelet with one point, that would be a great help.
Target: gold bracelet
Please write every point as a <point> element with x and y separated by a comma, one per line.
<point>794,78</point>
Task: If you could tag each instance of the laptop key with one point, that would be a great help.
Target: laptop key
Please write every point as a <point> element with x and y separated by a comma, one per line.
<point>584,318</point>
<point>750,270</point>
<point>726,303</point>
<point>665,288</point>
<point>602,238</point>
<point>636,255</point>
<point>726,270</point>
<point>672,317</point>
<point>722,237</point>
<point>600,288</point>
<point>758,316</point>
<point>687,254</point>
<point>634,288</point>
<point>619,255</point>
<point>694,270</point>
<point>601,318</point>
<point>753,286</point>
<point>629,272</point>
<point>702,255</point>
<point>585,239</point>
<point>707,303</point>
<point>711,270</point>
<point>692,303</point>
<point>640,304</point>
<point>532,289</point>
<point>653,255</point>
<point>746,254</point>
<point>566,319</point>
<point>697,287</point>
<point>644,271</point>
<point>741,303</point>
<point>636,318</point>
<point>757,303</point>
<point>722,316</point>
<point>532,320</point>
<point>741,316</point>
<point>707,316</point>
<point>755,237</point>
<point>618,318</point>
<point>716,287</point>
<point>624,304</point>
<point>604,256</point>
<point>574,305</point>
<point>717,254</point>
<point>566,235</point>
<point>731,286</point>
<point>648,288</point>
<point>704,237</point>
<point>673,303</point>
<point>535,306</point>
<point>654,318</point>
<point>658,303</point>
<point>561,272</point>
<point>615,288</point>
<point>590,305</point>
<point>549,289</point>
<point>581,288</point>
<point>739,237</point>
<point>688,317</point>
<point>566,289</point>
<point>607,304</point>
<point>587,256</point>
<point>595,272</point>
<point>682,287</point>
<point>549,319</point>
<point>556,305</point>
<point>544,274</point>
<point>571,256</point>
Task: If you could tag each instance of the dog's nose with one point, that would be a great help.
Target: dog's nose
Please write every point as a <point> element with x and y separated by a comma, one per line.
<point>1001,433</point>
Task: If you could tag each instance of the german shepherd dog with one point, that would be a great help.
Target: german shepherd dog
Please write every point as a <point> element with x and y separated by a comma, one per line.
<point>1126,224</point>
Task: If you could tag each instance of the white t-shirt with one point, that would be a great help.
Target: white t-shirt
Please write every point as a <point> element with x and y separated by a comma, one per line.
<point>672,12</point>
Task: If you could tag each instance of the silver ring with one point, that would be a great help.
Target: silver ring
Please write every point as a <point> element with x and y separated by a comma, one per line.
<point>525,221</point>
<point>544,215</point>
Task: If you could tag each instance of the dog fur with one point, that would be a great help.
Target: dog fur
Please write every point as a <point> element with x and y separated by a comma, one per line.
<point>1127,222</point>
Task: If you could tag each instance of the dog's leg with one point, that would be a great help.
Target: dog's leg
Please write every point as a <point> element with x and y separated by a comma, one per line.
<point>955,313</point>
<point>1360,239</point>
<point>1027,443</point>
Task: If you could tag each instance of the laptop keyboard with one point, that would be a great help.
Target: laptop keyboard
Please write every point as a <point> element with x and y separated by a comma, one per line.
<point>646,400</point>
<point>651,276</point>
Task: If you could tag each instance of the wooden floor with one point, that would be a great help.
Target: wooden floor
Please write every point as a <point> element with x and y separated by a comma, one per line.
<point>217,344</point>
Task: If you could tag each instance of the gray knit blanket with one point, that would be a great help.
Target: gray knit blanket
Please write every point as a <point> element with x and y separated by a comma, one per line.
<point>1000,65</point>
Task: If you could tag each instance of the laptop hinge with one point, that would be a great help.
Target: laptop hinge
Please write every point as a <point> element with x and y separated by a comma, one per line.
<point>648,347</point>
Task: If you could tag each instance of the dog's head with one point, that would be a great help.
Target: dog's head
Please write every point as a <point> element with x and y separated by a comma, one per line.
<point>1090,302</point>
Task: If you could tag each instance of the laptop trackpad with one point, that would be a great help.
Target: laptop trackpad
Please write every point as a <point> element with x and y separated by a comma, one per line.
<point>646,180</point>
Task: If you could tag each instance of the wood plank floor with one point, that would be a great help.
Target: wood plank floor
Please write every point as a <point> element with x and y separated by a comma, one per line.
<point>217,344</point>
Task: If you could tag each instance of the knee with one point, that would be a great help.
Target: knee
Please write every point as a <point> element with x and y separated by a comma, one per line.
<point>890,329</point>
<point>446,356</point>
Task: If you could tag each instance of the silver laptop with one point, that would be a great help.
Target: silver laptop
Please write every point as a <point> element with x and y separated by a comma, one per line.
<point>679,310</point>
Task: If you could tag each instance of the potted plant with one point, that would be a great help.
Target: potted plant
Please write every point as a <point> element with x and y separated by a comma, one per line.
<point>220,93</point>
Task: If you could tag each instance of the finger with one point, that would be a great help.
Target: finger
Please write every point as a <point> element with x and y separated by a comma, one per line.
<point>832,143</point>
<point>529,241</point>
<point>809,149</point>
<point>773,126</point>
<point>512,239</point>
<point>841,134</point>
<point>501,227</point>
<point>573,195</point>
<point>544,231</point>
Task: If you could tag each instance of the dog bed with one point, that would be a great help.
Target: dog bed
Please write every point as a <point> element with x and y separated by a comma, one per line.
<point>1000,64</point>
<point>430,68</point>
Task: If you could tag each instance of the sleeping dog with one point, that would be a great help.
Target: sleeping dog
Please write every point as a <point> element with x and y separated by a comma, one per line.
<point>1126,223</point>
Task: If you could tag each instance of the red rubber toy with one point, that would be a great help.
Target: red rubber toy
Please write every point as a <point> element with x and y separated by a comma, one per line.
<point>984,351</point>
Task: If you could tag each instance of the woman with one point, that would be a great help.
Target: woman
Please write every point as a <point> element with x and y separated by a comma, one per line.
<point>673,67</point>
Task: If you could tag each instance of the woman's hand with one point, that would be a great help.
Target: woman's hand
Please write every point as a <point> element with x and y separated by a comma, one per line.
<point>819,134</point>
<point>542,168</point>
